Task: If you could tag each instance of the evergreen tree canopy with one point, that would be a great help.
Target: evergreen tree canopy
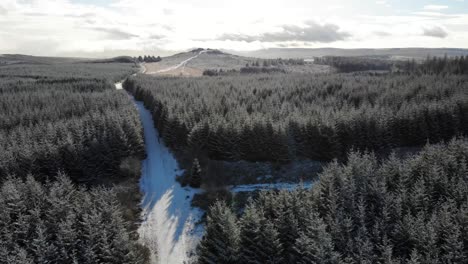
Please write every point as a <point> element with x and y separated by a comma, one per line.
<point>412,210</point>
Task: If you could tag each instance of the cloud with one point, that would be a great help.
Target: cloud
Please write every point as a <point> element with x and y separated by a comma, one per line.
<point>156,36</point>
<point>37,14</point>
<point>85,15</point>
<point>3,10</point>
<point>168,11</point>
<point>312,32</point>
<point>435,7</point>
<point>383,3</point>
<point>382,33</point>
<point>436,32</point>
<point>115,34</point>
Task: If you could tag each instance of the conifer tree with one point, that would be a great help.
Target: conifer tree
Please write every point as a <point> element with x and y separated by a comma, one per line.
<point>220,244</point>
<point>250,248</point>
<point>314,244</point>
<point>195,174</point>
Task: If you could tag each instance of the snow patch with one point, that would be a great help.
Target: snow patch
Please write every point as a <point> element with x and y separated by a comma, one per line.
<point>169,228</point>
<point>118,86</point>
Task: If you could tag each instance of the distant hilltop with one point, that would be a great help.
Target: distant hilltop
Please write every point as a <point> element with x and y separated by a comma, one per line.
<point>209,51</point>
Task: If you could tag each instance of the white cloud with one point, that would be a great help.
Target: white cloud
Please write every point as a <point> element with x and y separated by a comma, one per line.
<point>436,32</point>
<point>310,32</point>
<point>54,27</point>
<point>435,7</point>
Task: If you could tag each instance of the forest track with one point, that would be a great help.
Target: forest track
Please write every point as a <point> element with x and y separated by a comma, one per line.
<point>169,223</point>
<point>119,85</point>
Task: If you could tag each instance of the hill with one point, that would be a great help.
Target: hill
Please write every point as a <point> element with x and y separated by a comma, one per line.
<point>8,59</point>
<point>27,59</point>
<point>119,59</point>
<point>196,61</point>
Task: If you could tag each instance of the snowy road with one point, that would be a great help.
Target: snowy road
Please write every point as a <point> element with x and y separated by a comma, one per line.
<point>168,219</point>
<point>118,85</point>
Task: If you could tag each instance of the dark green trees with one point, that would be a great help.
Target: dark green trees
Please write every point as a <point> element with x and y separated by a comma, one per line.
<point>61,223</point>
<point>282,117</point>
<point>67,119</point>
<point>150,58</point>
<point>411,210</point>
<point>314,244</point>
<point>221,241</point>
<point>259,239</point>
<point>195,175</point>
<point>82,127</point>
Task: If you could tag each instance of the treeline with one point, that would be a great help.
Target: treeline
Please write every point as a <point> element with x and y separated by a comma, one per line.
<point>148,59</point>
<point>257,70</point>
<point>58,222</point>
<point>243,70</point>
<point>275,62</point>
<point>82,127</point>
<point>431,66</point>
<point>218,72</point>
<point>413,210</point>
<point>112,72</point>
<point>320,117</point>
<point>436,65</point>
<point>353,64</point>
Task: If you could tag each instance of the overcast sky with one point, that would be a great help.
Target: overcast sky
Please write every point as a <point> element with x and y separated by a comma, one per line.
<point>111,27</point>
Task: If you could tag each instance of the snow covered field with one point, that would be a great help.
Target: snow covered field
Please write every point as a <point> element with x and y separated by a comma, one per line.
<point>169,222</point>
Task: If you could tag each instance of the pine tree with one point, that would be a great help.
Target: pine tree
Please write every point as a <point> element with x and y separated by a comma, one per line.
<point>415,258</point>
<point>220,243</point>
<point>270,244</point>
<point>314,245</point>
<point>195,174</point>
<point>42,245</point>
<point>250,248</point>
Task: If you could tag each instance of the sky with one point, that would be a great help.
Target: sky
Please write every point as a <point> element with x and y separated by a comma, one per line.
<point>103,28</point>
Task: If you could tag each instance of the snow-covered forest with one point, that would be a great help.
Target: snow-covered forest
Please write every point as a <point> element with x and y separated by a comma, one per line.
<point>395,190</point>
<point>69,166</point>
<point>282,116</point>
<point>412,210</point>
<point>92,173</point>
